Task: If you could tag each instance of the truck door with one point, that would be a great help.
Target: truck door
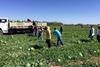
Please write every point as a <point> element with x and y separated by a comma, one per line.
<point>4,25</point>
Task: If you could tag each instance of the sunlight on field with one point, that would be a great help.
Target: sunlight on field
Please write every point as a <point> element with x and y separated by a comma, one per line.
<point>22,50</point>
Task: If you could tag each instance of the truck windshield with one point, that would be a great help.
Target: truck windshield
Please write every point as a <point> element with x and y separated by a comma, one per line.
<point>3,20</point>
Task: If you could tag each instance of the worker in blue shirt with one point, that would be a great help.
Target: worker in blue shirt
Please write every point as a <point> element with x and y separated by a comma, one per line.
<point>58,36</point>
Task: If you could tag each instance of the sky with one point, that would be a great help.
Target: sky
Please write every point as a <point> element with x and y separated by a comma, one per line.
<point>66,11</point>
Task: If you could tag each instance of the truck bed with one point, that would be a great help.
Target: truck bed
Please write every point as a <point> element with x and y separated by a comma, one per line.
<point>20,25</point>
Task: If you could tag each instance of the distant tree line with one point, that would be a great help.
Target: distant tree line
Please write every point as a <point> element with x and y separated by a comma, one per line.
<point>55,23</point>
<point>48,23</point>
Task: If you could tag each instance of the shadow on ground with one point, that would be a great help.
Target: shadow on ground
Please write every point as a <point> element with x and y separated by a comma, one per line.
<point>36,46</point>
<point>29,34</point>
<point>85,40</point>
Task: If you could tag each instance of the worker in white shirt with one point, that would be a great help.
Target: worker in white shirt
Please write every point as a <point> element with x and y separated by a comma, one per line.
<point>91,32</point>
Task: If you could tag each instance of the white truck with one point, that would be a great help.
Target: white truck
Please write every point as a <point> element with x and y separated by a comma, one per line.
<point>12,27</point>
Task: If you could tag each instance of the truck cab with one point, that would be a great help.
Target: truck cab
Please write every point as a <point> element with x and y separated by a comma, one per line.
<point>3,25</point>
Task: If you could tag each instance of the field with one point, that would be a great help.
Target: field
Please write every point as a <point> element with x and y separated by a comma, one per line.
<point>23,50</point>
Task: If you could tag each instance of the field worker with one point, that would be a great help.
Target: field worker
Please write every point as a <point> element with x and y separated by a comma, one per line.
<point>91,32</point>
<point>39,33</point>
<point>61,29</point>
<point>35,30</point>
<point>58,36</point>
<point>98,34</point>
<point>48,36</point>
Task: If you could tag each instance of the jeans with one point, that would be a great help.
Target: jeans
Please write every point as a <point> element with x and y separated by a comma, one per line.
<point>59,40</point>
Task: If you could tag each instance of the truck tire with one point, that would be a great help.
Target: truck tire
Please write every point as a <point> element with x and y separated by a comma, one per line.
<point>1,32</point>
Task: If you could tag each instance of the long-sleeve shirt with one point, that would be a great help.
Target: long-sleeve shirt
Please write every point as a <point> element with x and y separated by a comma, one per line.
<point>92,31</point>
<point>48,34</point>
<point>98,32</point>
<point>57,33</point>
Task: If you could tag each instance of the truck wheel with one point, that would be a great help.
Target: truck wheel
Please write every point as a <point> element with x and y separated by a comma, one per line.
<point>1,32</point>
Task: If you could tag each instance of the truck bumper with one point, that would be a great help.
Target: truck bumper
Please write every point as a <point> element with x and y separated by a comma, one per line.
<point>5,31</point>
